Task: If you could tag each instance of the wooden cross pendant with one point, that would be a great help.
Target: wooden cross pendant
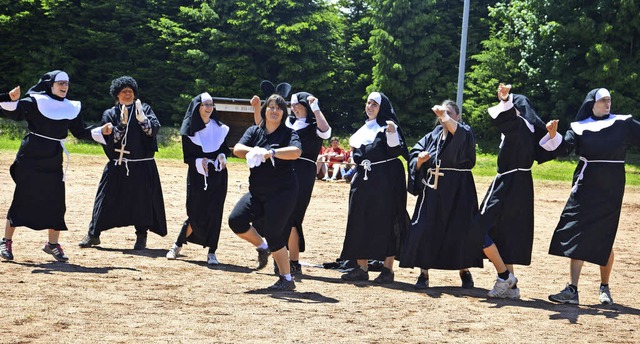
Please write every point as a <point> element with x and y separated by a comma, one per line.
<point>122,151</point>
<point>437,174</point>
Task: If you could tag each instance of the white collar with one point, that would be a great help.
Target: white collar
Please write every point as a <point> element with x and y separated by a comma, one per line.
<point>366,134</point>
<point>300,123</point>
<point>590,124</point>
<point>211,137</point>
<point>57,109</point>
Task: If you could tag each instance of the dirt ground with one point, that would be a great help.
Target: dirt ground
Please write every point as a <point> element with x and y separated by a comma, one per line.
<point>113,294</point>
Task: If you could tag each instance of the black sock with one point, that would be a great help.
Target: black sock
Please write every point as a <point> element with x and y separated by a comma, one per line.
<point>604,285</point>
<point>6,240</point>
<point>573,287</point>
<point>212,250</point>
<point>504,275</point>
<point>292,262</point>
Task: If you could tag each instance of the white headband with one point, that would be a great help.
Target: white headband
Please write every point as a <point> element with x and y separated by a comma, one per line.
<point>294,99</point>
<point>205,96</point>
<point>603,92</point>
<point>376,97</point>
<point>62,76</point>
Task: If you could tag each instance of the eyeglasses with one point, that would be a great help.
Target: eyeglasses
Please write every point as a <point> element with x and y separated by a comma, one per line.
<point>62,83</point>
<point>208,105</point>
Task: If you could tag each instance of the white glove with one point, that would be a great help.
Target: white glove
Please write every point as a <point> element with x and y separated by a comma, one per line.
<point>255,156</point>
<point>124,114</point>
<point>220,163</point>
<point>140,116</point>
<point>315,106</point>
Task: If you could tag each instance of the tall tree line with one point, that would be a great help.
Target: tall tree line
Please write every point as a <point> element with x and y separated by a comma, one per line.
<point>553,51</point>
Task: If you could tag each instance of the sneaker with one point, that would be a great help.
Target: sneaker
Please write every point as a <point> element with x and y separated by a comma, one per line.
<point>356,274</point>
<point>422,283</point>
<point>55,251</point>
<point>326,178</point>
<point>467,280</point>
<point>174,251</point>
<point>89,241</point>
<point>512,293</point>
<point>294,268</point>
<point>5,249</point>
<point>141,242</point>
<point>567,295</point>
<point>212,259</point>
<point>385,277</point>
<point>605,295</point>
<point>501,286</point>
<point>263,257</point>
<point>283,285</point>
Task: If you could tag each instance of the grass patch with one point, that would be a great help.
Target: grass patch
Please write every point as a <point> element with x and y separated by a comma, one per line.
<point>171,148</point>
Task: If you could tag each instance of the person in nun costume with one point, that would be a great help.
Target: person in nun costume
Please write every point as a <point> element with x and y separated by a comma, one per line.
<point>39,196</point>
<point>505,222</point>
<point>312,127</point>
<point>589,222</point>
<point>377,218</point>
<point>440,175</point>
<point>271,149</point>
<point>205,150</point>
<point>129,192</point>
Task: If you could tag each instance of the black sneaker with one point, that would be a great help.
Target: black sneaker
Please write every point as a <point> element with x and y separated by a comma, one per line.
<point>296,269</point>
<point>55,251</point>
<point>356,274</point>
<point>141,242</point>
<point>422,283</point>
<point>283,285</point>
<point>385,277</point>
<point>89,241</point>
<point>5,249</point>
<point>467,279</point>
<point>263,257</point>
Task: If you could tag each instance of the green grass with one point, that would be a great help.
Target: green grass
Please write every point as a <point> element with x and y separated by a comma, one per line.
<point>170,148</point>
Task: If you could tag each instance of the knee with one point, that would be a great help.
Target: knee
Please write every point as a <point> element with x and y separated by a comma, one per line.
<point>238,224</point>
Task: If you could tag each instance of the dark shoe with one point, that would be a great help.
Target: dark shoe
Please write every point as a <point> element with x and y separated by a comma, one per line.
<point>422,283</point>
<point>467,280</point>
<point>566,295</point>
<point>385,277</point>
<point>263,257</point>
<point>55,251</point>
<point>296,269</point>
<point>356,274</point>
<point>89,241</point>
<point>283,285</point>
<point>141,242</point>
<point>5,249</point>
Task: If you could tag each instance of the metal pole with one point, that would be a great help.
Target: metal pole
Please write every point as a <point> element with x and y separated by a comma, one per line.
<point>463,53</point>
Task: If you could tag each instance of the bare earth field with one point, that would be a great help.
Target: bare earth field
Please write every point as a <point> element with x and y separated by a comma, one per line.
<point>113,294</point>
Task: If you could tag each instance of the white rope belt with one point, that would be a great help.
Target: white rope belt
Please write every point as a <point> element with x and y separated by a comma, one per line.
<point>366,164</point>
<point>493,184</point>
<point>127,161</point>
<point>432,170</point>
<point>309,160</point>
<point>66,152</point>
<point>426,183</point>
<point>586,162</point>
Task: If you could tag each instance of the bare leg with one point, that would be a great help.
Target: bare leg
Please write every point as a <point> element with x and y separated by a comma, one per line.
<point>605,271</point>
<point>388,262</point>
<point>363,264</point>
<point>252,236</point>
<point>54,235</point>
<point>575,269</point>
<point>425,273</point>
<point>8,231</point>
<point>494,256</point>
<point>282,260</point>
<point>189,231</point>
<point>294,244</point>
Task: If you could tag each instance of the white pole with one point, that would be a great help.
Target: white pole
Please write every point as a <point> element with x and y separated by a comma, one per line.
<point>463,53</point>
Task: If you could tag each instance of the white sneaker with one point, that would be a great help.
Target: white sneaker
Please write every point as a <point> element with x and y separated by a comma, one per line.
<point>502,286</point>
<point>605,296</point>
<point>173,252</point>
<point>511,293</point>
<point>212,259</point>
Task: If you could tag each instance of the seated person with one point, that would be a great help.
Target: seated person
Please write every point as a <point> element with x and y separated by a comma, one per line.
<point>334,156</point>
<point>348,169</point>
